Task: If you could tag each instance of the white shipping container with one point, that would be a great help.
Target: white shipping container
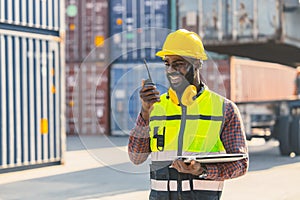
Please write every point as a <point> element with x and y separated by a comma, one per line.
<point>32,13</point>
<point>31,99</point>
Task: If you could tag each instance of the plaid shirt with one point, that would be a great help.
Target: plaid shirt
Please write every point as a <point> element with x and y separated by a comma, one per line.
<point>232,136</point>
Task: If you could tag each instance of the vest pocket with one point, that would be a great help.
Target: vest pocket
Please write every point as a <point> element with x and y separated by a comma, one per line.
<point>164,138</point>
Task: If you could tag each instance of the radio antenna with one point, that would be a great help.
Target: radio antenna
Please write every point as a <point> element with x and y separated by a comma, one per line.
<point>147,70</point>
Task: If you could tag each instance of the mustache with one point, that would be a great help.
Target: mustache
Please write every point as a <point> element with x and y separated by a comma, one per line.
<point>176,73</point>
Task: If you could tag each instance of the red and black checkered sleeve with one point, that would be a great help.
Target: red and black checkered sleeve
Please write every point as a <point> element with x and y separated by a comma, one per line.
<point>139,142</point>
<point>234,141</point>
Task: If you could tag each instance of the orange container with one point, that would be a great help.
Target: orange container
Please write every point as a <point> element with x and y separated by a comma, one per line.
<point>243,80</point>
<point>260,81</point>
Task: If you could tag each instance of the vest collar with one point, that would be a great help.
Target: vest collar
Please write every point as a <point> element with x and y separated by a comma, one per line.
<point>202,93</point>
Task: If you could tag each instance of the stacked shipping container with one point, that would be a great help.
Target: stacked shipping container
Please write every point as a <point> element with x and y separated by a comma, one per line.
<point>138,30</point>
<point>87,78</point>
<point>231,19</point>
<point>31,88</point>
<point>86,30</point>
<point>87,99</point>
<point>125,85</point>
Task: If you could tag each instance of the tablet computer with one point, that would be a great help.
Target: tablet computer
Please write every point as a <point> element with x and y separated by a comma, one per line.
<point>214,158</point>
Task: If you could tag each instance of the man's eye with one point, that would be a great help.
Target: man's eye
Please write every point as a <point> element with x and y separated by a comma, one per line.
<point>175,65</point>
<point>178,65</point>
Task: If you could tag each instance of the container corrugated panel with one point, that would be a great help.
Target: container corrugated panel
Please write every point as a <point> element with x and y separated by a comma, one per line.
<point>71,76</point>
<point>86,30</point>
<point>73,35</point>
<point>126,80</point>
<point>216,75</point>
<point>31,99</point>
<point>188,15</point>
<point>138,29</point>
<point>230,19</point>
<point>36,14</point>
<point>292,26</point>
<point>87,98</point>
<point>260,81</point>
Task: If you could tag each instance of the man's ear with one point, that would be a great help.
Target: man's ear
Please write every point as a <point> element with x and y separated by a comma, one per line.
<point>198,64</point>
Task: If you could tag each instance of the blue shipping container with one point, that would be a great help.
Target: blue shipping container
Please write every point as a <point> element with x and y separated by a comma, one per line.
<point>138,29</point>
<point>126,80</point>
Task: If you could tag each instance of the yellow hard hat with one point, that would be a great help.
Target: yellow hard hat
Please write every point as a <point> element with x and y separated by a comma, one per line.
<point>183,43</point>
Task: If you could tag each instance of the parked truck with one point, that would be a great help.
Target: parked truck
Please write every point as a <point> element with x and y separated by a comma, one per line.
<point>277,119</point>
<point>265,94</point>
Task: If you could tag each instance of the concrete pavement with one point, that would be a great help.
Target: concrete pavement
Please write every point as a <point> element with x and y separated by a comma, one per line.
<point>98,168</point>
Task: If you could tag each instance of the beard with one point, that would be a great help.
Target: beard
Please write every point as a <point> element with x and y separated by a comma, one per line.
<point>179,82</point>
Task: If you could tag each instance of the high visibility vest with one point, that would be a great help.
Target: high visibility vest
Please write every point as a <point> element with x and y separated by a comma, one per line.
<point>184,130</point>
<point>179,130</point>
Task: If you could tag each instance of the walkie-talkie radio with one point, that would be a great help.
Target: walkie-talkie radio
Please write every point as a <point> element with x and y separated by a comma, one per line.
<point>160,138</point>
<point>149,81</point>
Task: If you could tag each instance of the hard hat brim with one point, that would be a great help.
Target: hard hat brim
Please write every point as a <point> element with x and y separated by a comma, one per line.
<point>164,53</point>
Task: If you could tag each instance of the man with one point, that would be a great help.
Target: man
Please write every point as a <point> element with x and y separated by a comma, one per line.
<point>297,83</point>
<point>189,119</point>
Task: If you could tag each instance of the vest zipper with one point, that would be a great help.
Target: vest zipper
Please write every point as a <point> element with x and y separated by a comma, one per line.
<point>181,130</point>
<point>180,144</point>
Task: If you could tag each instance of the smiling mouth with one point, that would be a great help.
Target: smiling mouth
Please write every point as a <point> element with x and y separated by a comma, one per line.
<point>175,80</point>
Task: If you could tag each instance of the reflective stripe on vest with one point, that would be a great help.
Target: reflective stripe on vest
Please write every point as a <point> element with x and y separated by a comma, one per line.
<point>163,185</point>
<point>192,129</point>
<point>164,178</point>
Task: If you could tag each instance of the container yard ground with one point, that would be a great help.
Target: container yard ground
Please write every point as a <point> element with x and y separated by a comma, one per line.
<point>86,175</point>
